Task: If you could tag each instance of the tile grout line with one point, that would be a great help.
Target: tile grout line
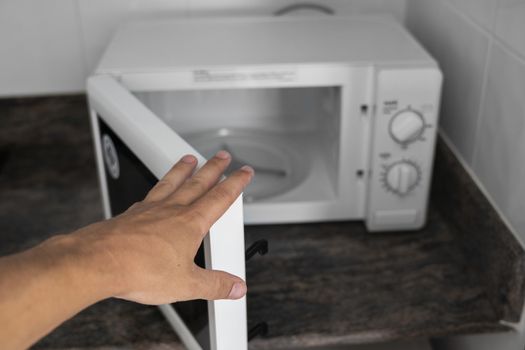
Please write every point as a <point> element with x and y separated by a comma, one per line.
<point>509,50</point>
<point>484,87</point>
<point>488,32</point>
<point>466,17</point>
<point>481,114</point>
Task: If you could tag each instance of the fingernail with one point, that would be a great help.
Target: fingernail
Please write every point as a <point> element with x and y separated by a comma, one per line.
<point>238,291</point>
<point>188,159</point>
<point>248,169</point>
<point>223,155</point>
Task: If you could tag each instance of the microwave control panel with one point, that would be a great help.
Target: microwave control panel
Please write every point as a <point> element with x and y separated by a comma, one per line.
<point>403,142</point>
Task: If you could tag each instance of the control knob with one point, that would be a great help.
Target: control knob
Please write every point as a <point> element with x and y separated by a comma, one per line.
<point>407,126</point>
<point>402,177</point>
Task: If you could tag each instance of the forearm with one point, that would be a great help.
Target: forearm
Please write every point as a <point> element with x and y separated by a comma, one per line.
<point>145,255</point>
<point>44,286</point>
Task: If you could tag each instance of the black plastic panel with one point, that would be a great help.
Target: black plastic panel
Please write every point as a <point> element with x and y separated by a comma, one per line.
<point>132,185</point>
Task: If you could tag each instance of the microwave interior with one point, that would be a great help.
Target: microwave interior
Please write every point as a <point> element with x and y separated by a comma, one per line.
<point>290,136</point>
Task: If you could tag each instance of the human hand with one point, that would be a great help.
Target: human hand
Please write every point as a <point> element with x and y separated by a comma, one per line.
<point>147,253</point>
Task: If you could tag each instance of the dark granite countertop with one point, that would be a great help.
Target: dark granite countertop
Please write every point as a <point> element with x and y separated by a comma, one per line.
<point>326,283</point>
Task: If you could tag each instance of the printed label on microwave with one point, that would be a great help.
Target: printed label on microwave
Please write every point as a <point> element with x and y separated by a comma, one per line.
<point>207,76</point>
<point>390,106</point>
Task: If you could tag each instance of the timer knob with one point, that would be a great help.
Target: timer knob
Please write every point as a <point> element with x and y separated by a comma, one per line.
<point>402,177</point>
<point>407,126</point>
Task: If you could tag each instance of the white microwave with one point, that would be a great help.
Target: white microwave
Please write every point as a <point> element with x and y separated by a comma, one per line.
<point>337,115</point>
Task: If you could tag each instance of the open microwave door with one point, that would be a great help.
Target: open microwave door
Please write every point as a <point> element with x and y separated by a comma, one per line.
<point>134,149</point>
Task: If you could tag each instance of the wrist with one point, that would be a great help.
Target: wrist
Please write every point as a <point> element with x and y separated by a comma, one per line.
<point>81,266</point>
<point>45,285</point>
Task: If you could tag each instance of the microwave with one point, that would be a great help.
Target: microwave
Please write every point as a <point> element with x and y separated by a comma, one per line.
<point>337,115</point>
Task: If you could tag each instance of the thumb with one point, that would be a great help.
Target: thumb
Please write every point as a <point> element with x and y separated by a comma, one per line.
<point>213,285</point>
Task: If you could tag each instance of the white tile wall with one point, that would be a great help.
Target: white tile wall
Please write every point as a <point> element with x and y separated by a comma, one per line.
<point>461,51</point>
<point>481,47</point>
<point>510,24</point>
<point>483,107</point>
<point>481,11</point>
<point>40,50</point>
<point>100,18</point>
<point>50,46</point>
<point>500,153</point>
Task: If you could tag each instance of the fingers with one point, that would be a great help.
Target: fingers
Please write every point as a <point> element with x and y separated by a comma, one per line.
<point>213,285</point>
<point>173,179</point>
<point>204,179</point>
<point>213,204</point>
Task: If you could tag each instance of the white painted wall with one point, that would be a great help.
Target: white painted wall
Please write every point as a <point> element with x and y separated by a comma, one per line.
<point>481,47</point>
<point>49,47</point>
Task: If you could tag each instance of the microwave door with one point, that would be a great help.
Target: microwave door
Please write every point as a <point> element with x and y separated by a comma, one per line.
<point>135,148</point>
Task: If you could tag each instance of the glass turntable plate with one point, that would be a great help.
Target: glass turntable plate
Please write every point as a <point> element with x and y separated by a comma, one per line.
<point>278,167</point>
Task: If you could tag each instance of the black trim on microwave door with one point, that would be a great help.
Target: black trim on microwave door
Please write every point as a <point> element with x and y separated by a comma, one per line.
<point>128,181</point>
<point>134,180</point>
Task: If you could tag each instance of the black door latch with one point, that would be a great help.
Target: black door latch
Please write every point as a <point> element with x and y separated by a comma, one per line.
<point>260,328</point>
<point>260,246</point>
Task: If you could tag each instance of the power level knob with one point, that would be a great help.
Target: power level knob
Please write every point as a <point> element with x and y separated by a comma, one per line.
<point>407,126</point>
<point>402,177</point>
